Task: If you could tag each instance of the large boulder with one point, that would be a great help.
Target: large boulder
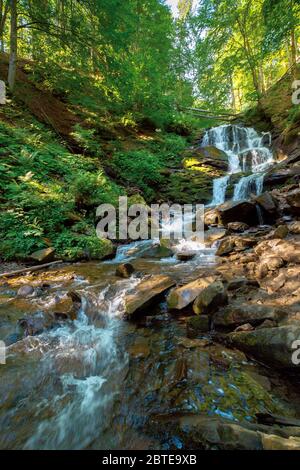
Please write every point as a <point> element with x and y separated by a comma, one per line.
<point>146,293</point>
<point>239,314</point>
<point>210,299</point>
<point>274,346</point>
<point>240,211</point>
<point>181,297</point>
<point>157,251</point>
<point>267,202</point>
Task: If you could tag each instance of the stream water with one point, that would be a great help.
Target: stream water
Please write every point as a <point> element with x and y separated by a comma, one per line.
<point>100,382</point>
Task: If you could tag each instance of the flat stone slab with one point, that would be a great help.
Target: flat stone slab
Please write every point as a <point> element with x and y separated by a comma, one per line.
<point>147,292</point>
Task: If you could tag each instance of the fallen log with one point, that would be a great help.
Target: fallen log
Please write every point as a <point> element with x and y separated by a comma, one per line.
<point>30,269</point>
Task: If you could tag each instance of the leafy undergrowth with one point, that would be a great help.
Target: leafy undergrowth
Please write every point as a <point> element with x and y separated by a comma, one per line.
<point>48,194</point>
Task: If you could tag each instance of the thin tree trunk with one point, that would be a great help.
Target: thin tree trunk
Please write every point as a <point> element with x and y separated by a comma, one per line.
<point>4,8</point>
<point>233,103</point>
<point>13,46</point>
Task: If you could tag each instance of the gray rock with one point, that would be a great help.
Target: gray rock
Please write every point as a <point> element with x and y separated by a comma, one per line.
<point>181,297</point>
<point>25,291</point>
<point>270,345</point>
<point>235,315</point>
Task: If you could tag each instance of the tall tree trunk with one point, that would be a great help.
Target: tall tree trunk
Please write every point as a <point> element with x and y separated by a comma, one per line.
<point>4,8</point>
<point>12,70</point>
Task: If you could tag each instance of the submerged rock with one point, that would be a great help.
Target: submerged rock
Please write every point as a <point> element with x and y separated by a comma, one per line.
<point>147,292</point>
<point>211,298</point>
<point>125,270</point>
<point>181,297</point>
<point>186,255</point>
<point>197,324</point>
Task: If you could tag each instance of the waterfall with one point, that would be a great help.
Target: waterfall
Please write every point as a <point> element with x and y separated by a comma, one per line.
<point>247,151</point>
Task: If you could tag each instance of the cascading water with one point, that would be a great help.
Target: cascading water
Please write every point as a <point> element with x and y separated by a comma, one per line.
<point>247,151</point>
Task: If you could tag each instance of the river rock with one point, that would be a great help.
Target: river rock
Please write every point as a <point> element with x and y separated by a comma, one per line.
<point>214,234</point>
<point>146,292</point>
<point>181,297</point>
<point>267,202</point>
<point>271,345</point>
<point>238,227</point>
<point>43,256</point>
<point>25,291</point>
<point>35,324</point>
<point>226,246</point>
<point>241,211</point>
<point>235,315</point>
<point>158,252</point>
<point>125,270</point>
<point>211,217</point>
<point>186,255</point>
<point>210,299</point>
<point>280,232</point>
<point>294,228</point>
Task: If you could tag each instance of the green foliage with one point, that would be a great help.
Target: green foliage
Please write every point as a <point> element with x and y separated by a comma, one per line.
<point>138,168</point>
<point>48,195</point>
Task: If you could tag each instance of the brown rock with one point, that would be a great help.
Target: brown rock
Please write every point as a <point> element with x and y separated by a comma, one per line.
<point>125,270</point>
<point>241,211</point>
<point>237,227</point>
<point>147,292</point>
